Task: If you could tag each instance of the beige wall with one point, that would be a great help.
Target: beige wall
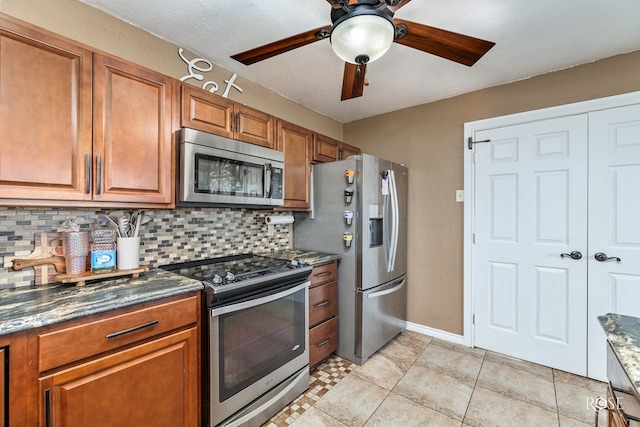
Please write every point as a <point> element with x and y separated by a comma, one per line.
<point>80,22</point>
<point>429,140</point>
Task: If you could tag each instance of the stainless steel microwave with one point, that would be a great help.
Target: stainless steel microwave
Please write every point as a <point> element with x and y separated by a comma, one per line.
<point>220,171</point>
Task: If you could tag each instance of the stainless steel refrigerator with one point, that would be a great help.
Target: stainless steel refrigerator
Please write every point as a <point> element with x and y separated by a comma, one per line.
<point>359,211</point>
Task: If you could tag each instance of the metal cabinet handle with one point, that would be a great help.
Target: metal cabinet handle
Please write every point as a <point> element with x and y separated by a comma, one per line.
<point>47,408</point>
<point>323,303</point>
<point>573,255</point>
<point>99,174</point>
<point>602,257</point>
<point>135,328</point>
<point>325,342</point>
<point>324,273</point>
<point>87,173</point>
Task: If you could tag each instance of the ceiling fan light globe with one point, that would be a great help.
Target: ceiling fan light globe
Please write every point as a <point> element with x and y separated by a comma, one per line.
<point>362,35</point>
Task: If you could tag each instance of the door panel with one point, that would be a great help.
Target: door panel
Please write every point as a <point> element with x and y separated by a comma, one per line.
<point>530,207</point>
<point>375,220</point>
<point>381,316</point>
<point>614,229</point>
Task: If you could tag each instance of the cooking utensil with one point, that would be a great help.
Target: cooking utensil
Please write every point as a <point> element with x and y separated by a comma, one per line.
<point>111,224</point>
<point>123,226</point>
<point>135,219</point>
<point>142,220</point>
<point>57,261</point>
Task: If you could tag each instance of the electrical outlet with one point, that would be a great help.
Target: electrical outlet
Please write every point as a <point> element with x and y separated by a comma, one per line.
<point>459,196</point>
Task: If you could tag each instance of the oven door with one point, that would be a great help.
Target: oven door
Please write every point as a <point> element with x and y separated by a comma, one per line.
<point>254,345</point>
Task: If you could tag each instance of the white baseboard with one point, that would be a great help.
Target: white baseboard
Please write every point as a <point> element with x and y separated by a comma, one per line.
<point>436,333</point>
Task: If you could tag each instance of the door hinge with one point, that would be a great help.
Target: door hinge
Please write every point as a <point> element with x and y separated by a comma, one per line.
<point>473,157</point>
<point>473,238</point>
<point>473,319</point>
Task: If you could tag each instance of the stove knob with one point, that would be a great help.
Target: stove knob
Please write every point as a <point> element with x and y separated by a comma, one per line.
<point>293,263</point>
<point>230,277</point>
<point>217,280</point>
<point>301,263</point>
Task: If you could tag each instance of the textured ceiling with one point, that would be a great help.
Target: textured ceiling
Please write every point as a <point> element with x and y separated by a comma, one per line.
<point>532,38</point>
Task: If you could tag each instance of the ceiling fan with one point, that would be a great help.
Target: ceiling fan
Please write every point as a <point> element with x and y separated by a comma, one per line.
<point>363,30</point>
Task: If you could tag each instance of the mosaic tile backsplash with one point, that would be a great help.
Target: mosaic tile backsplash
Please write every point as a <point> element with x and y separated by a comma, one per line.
<point>173,235</point>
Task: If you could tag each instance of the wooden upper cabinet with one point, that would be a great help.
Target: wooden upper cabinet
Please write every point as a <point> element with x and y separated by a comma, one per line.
<point>327,149</point>
<point>347,150</point>
<point>295,142</point>
<point>45,115</point>
<point>131,133</point>
<point>212,113</point>
<point>79,127</point>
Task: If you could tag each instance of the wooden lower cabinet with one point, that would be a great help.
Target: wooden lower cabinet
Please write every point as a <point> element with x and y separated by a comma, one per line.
<point>153,384</point>
<point>136,366</point>
<point>3,386</point>
<point>323,312</point>
<point>13,377</point>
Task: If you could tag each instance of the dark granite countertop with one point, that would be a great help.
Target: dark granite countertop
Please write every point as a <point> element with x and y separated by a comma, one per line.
<point>310,257</point>
<point>623,332</point>
<point>29,307</point>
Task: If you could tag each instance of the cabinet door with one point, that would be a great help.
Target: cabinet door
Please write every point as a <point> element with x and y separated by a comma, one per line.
<point>325,149</point>
<point>347,150</point>
<point>295,141</point>
<point>254,126</point>
<point>14,375</point>
<point>132,133</point>
<point>45,115</point>
<point>207,112</point>
<point>153,384</point>
<point>3,385</point>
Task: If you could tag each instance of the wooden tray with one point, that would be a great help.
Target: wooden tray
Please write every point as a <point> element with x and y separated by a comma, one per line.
<point>81,279</point>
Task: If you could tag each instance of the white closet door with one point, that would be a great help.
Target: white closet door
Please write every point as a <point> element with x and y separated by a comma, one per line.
<point>614,222</point>
<point>531,207</point>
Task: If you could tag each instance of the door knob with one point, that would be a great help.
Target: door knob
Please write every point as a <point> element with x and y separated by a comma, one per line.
<point>601,256</point>
<point>573,255</point>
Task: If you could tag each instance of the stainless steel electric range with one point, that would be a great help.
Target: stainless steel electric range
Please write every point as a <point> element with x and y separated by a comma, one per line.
<point>255,336</point>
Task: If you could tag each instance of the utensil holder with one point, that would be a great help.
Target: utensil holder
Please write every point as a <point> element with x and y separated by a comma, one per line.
<point>128,253</point>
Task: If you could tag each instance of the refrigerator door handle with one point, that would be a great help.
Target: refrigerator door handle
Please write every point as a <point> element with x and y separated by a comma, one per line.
<point>395,226</point>
<point>387,291</point>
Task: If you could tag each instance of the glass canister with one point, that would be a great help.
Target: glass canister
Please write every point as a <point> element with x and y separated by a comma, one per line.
<point>103,251</point>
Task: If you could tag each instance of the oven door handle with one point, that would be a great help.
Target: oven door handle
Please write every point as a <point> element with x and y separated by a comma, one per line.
<point>248,304</point>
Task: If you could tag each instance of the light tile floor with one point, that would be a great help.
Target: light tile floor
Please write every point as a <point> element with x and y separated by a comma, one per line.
<point>416,380</point>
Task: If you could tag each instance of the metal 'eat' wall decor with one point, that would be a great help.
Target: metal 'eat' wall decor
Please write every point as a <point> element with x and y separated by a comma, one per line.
<point>202,65</point>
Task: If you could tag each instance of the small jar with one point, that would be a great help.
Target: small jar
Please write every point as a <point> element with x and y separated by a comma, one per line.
<point>103,251</point>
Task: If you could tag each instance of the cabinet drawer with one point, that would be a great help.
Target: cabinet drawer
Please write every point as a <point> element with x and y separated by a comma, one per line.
<point>74,343</point>
<point>323,274</point>
<point>323,340</point>
<point>323,302</point>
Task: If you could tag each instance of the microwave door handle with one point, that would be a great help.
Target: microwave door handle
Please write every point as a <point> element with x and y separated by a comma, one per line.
<point>268,171</point>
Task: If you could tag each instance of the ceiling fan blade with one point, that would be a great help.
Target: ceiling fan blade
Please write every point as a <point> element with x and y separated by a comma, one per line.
<point>456,47</point>
<point>394,9</point>
<point>353,80</point>
<point>335,6</point>
<point>270,50</point>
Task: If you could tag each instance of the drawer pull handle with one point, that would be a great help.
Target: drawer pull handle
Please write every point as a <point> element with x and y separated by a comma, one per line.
<point>135,328</point>
<point>323,303</point>
<point>325,342</point>
<point>324,273</point>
